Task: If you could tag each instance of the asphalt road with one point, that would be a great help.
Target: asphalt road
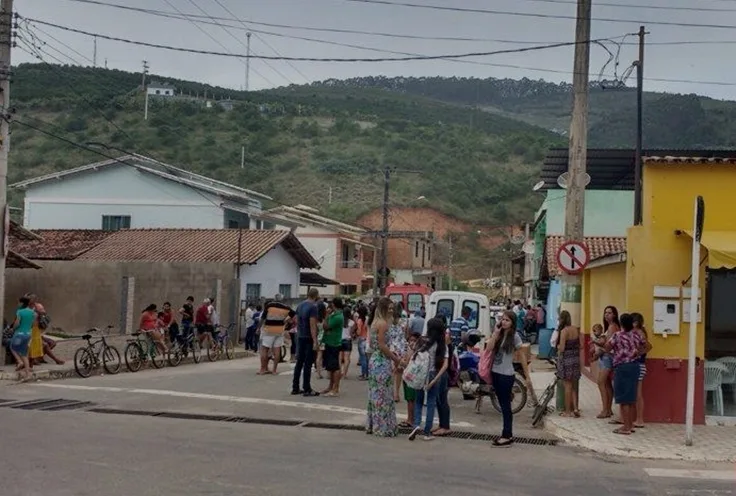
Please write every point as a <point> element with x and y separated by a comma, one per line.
<point>87,454</point>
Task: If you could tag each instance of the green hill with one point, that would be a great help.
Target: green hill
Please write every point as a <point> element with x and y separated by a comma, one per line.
<point>670,120</point>
<point>298,140</point>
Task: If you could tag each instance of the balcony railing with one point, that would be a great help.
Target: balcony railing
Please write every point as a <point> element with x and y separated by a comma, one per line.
<point>350,264</point>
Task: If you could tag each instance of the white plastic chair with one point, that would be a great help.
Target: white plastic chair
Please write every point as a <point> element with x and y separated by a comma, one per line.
<point>714,372</point>
<point>730,376</point>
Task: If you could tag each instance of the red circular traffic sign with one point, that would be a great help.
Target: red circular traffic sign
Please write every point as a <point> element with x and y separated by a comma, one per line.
<point>573,257</point>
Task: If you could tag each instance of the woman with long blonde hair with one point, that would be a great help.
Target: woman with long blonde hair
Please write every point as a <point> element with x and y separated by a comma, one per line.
<point>381,409</point>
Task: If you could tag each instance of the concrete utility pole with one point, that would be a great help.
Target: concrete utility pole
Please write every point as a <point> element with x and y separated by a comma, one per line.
<point>450,257</point>
<point>247,62</point>
<point>578,156</point>
<point>382,271</point>
<point>639,128</point>
<point>145,90</point>
<point>94,54</point>
<point>6,34</point>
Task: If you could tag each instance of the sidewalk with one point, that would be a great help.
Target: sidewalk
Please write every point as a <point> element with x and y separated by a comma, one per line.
<point>655,441</point>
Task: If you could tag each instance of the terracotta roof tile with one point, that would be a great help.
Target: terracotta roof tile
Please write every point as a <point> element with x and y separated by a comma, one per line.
<point>57,244</point>
<point>196,245</point>
<point>599,246</point>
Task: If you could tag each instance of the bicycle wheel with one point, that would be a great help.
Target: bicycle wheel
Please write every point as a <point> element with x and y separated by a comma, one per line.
<point>84,362</point>
<point>111,360</point>
<point>174,355</point>
<point>518,397</point>
<point>196,350</point>
<point>541,410</point>
<point>229,348</point>
<point>212,350</point>
<point>134,356</point>
<point>158,359</point>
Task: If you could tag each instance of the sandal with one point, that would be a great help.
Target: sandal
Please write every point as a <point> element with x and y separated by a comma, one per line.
<point>405,425</point>
<point>604,415</point>
<point>622,432</point>
<point>576,414</point>
<point>442,432</point>
<point>639,426</point>
<point>615,422</point>
<point>502,443</point>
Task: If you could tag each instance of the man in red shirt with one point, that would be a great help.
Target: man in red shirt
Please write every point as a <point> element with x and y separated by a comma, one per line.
<point>202,320</point>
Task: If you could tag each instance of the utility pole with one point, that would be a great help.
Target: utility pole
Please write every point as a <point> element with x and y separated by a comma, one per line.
<point>578,156</point>
<point>6,34</point>
<point>639,128</point>
<point>449,262</point>
<point>145,90</point>
<point>94,54</point>
<point>247,62</point>
<point>382,271</point>
<point>242,157</point>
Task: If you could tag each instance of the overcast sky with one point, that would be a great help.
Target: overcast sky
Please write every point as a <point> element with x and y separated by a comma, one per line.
<point>699,62</point>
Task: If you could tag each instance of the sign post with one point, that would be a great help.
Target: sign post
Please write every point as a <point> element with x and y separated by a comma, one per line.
<point>573,257</point>
<point>698,220</point>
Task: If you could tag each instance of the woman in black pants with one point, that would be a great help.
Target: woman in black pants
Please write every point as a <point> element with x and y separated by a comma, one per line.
<point>443,405</point>
<point>505,341</point>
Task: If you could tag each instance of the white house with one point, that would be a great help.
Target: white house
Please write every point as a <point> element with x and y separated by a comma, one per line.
<point>134,191</point>
<point>155,88</point>
<point>336,245</point>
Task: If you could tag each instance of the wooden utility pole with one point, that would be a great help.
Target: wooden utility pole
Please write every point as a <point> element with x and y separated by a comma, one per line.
<point>6,42</point>
<point>578,156</point>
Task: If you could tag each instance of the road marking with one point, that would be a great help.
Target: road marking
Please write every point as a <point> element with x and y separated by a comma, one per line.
<point>717,475</point>
<point>217,397</point>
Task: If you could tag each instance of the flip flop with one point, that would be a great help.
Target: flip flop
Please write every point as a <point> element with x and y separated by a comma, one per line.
<point>622,432</point>
<point>405,425</point>
<point>615,422</point>
<point>639,426</point>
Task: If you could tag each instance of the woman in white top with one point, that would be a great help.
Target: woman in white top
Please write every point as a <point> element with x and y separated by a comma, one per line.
<point>348,334</point>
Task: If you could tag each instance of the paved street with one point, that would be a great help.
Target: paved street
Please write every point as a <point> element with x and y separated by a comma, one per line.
<point>72,453</point>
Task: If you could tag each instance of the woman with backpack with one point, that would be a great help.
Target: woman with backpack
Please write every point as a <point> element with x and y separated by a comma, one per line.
<point>434,352</point>
<point>504,343</point>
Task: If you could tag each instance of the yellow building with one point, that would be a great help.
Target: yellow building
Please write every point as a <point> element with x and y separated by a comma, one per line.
<point>653,278</point>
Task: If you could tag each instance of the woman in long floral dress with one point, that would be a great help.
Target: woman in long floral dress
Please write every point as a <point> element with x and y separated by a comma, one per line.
<point>381,407</point>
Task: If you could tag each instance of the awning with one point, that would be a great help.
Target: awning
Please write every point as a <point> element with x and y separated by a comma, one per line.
<point>721,248</point>
<point>315,279</point>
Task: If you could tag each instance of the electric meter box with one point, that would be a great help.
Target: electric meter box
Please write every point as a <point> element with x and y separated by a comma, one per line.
<point>667,310</point>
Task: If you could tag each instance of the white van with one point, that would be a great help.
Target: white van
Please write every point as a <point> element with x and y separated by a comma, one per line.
<point>450,305</point>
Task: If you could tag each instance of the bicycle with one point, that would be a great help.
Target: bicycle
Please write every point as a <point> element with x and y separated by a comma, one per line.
<point>94,354</point>
<point>220,340</point>
<point>181,346</point>
<point>140,349</point>
<point>542,407</point>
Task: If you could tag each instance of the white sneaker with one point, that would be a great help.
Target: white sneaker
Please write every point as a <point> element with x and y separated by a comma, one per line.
<point>414,433</point>
<point>428,438</point>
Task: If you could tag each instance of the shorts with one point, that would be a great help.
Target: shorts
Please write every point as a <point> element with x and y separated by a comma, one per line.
<point>331,358</point>
<point>625,382</point>
<point>347,345</point>
<point>410,394</point>
<point>642,371</point>
<point>203,328</point>
<point>272,340</point>
<point>19,344</point>
<point>606,362</point>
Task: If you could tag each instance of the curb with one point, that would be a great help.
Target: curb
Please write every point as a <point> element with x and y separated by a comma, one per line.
<point>51,375</point>
<point>680,454</point>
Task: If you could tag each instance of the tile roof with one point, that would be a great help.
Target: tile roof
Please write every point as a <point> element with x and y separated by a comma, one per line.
<point>197,245</point>
<point>54,244</point>
<point>599,246</point>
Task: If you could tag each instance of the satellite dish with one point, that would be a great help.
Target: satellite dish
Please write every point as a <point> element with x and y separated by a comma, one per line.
<point>564,179</point>
<point>528,247</point>
<point>321,258</point>
<point>518,239</point>
<point>538,186</point>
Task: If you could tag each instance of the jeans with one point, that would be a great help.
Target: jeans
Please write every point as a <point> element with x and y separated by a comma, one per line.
<point>443,406</point>
<point>251,340</point>
<point>431,405</point>
<point>503,385</point>
<point>293,344</point>
<point>304,362</point>
<point>362,358</point>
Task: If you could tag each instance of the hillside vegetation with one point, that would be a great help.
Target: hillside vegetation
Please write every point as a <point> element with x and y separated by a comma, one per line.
<point>670,120</point>
<point>299,141</point>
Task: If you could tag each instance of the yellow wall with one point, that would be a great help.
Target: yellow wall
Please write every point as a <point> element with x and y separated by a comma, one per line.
<point>656,256</point>
<point>603,286</point>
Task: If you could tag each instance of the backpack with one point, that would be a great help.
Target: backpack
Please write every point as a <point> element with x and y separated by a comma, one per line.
<point>485,365</point>
<point>417,370</point>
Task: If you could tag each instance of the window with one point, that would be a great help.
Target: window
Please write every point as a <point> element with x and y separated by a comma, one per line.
<point>416,249</point>
<point>446,309</point>
<point>285,291</point>
<point>115,222</point>
<point>424,253</point>
<point>429,254</point>
<point>158,92</point>
<point>414,302</point>
<point>252,292</point>
<point>396,298</point>
<point>232,224</point>
<point>259,224</point>
<point>474,311</point>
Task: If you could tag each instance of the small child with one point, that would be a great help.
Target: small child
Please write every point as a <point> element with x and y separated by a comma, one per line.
<point>410,395</point>
<point>596,349</point>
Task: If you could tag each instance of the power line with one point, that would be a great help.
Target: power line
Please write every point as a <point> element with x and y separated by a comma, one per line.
<point>229,53</point>
<point>265,62</point>
<point>538,15</point>
<point>634,6</point>
<point>200,19</point>
<point>295,68</point>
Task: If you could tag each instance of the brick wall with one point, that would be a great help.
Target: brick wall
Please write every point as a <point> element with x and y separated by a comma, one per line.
<point>83,294</point>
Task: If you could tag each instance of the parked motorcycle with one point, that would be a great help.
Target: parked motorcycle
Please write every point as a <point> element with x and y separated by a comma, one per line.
<point>474,388</point>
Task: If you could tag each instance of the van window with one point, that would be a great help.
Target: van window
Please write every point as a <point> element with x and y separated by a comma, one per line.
<point>414,302</point>
<point>474,313</point>
<point>446,309</point>
<point>396,298</point>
